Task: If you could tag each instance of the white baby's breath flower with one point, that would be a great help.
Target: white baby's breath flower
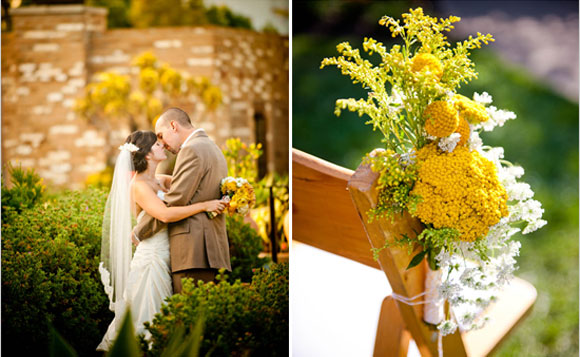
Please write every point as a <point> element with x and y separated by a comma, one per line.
<point>467,278</point>
<point>467,318</point>
<point>519,191</point>
<point>495,154</point>
<point>534,226</point>
<point>516,171</point>
<point>474,142</point>
<point>508,175</point>
<point>449,143</point>
<point>448,289</point>
<point>407,159</point>
<point>447,327</point>
<point>443,259</point>
<point>497,117</point>
<point>483,98</point>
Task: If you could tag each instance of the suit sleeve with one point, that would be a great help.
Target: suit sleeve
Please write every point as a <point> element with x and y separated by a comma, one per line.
<point>187,175</point>
<point>189,171</point>
<point>147,227</point>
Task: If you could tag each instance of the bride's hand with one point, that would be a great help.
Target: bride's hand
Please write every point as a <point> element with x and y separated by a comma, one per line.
<point>216,206</point>
<point>134,240</point>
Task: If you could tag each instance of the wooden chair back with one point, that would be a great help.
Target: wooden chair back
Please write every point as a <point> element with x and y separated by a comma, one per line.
<point>329,211</point>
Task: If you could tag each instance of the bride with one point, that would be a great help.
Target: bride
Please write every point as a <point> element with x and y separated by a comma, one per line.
<point>141,283</point>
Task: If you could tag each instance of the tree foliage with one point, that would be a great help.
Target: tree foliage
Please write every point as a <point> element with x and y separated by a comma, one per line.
<point>138,99</point>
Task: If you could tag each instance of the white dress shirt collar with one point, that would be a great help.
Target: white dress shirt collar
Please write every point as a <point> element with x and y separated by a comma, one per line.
<point>190,136</point>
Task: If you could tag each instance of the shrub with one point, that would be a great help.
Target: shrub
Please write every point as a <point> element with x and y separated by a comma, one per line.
<point>27,190</point>
<point>240,319</point>
<point>245,245</point>
<point>50,257</point>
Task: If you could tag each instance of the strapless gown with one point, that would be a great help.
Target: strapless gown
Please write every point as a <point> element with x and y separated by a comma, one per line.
<point>148,285</point>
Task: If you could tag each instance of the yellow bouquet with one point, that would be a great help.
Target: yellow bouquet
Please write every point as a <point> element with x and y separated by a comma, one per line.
<point>239,194</point>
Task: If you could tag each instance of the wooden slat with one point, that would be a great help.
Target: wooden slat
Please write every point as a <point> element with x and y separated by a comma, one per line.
<point>394,261</point>
<point>514,303</point>
<point>323,215</point>
<point>392,337</point>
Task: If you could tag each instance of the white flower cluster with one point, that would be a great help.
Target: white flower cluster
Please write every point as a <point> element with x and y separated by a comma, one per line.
<point>239,181</point>
<point>449,143</point>
<point>471,281</point>
<point>496,117</point>
<point>130,147</point>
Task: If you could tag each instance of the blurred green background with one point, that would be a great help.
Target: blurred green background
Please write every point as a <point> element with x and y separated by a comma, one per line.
<point>543,139</point>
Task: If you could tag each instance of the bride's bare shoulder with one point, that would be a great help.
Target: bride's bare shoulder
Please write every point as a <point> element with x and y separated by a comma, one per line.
<point>141,187</point>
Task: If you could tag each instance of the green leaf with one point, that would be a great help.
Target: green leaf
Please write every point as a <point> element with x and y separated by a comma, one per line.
<point>416,259</point>
<point>126,343</point>
<point>58,346</point>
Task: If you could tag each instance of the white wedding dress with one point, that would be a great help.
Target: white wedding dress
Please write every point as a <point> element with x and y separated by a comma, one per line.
<point>148,285</point>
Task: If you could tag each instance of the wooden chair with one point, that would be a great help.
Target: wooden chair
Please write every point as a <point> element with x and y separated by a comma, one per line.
<point>329,205</point>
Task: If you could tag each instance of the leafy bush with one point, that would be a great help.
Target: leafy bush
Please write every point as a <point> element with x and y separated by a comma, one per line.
<point>240,319</point>
<point>27,190</point>
<point>50,257</point>
<point>245,245</point>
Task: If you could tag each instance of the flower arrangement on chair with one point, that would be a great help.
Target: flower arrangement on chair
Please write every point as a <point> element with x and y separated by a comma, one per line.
<point>435,166</point>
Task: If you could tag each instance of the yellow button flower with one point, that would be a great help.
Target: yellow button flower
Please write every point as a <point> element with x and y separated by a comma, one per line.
<point>463,130</point>
<point>441,119</point>
<point>472,111</point>
<point>428,63</point>
<point>458,190</point>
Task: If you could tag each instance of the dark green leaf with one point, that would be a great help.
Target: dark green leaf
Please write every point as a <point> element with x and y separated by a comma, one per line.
<point>416,260</point>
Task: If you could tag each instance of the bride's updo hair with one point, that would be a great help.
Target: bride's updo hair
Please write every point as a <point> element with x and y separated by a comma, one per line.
<point>144,140</point>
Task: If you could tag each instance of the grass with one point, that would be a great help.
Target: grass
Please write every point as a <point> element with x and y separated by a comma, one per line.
<point>543,139</point>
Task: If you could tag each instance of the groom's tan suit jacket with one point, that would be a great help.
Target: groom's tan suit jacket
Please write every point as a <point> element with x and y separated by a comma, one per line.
<point>197,241</point>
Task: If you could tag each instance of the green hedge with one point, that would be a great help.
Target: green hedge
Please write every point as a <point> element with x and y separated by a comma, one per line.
<point>50,258</point>
<point>245,245</point>
<point>240,319</point>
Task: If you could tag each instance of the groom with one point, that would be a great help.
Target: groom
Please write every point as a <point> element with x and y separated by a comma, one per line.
<point>198,245</point>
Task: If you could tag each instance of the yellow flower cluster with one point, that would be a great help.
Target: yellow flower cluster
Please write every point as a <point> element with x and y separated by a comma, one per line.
<point>463,130</point>
<point>441,119</point>
<point>428,63</point>
<point>472,111</point>
<point>458,190</point>
<point>241,194</point>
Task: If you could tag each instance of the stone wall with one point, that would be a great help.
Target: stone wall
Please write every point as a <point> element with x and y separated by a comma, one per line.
<point>54,51</point>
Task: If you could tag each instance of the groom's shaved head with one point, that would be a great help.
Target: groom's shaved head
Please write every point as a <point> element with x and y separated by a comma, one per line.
<point>177,115</point>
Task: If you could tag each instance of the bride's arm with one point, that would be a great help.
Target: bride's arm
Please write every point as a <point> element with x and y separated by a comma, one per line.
<point>148,200</point>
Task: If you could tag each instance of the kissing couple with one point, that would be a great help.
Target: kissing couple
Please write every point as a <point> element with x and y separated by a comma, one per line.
<point>174,236</point>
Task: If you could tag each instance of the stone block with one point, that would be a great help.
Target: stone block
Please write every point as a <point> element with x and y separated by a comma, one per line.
<point>23,150</point>
<point>43,35</point>
<point>46,47</point>
<point>63,129</point>
<point>41,109</point>
<point>90,138</point>
<point>33,138</point>
<point>54,97</point>
<point>199,62</point>
<point>71,26</point>
<point>162,44</point>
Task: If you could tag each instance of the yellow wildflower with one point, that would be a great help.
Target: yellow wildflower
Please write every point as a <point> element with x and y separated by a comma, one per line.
<point>458,190</point>
<point>472,111</point>
<point>428,63</point>
<point>441,119</point>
